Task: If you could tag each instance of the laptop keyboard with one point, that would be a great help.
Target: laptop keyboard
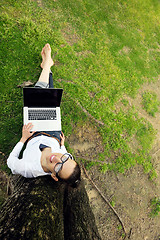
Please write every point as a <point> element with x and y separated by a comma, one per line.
<point>42,114</point>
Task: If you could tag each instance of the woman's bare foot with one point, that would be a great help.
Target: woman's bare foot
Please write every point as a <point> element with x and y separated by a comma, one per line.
<point>46,56</point>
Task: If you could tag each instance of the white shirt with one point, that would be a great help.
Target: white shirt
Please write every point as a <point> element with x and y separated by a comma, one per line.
<point>30,164</point>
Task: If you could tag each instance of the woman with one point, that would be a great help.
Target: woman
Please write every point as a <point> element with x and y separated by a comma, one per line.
<point>45,153</point>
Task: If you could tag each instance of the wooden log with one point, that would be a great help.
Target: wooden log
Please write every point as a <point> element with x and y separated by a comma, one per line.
<point>43,209</point>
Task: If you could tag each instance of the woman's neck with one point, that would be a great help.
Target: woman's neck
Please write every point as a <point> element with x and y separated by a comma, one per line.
<point>44,154</point>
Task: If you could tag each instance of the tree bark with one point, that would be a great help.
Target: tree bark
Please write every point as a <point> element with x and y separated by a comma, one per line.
<point>43,209</point>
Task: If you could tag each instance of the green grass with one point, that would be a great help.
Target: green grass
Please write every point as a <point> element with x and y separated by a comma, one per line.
<point>150,103</point>
<point>155,205</point>
<point>103,51</point>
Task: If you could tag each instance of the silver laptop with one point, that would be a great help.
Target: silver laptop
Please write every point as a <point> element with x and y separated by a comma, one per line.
<point>42,108</point>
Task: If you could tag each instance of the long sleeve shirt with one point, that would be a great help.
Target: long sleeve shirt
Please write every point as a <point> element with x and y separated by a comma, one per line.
<point>29,165</point>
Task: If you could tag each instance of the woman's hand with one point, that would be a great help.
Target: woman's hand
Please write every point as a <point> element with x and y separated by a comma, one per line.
<point>62,138</point>
<point>26,132</point>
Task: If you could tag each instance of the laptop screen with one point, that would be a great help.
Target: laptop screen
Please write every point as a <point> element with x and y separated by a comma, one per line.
<point>42,97</point>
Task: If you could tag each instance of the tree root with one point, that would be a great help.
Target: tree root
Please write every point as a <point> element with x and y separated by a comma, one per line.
<point>104,198</point>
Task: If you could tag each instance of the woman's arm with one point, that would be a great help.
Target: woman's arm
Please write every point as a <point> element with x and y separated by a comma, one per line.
<point>62,138</point>
<point>13,160</point>
<point>62,142</point>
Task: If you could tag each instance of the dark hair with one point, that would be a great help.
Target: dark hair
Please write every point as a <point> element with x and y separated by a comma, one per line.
<point>75,177</point>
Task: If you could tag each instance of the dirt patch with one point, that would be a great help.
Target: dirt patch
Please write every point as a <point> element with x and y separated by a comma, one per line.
<point>70,35</point>
<point>125,50</point>
<point>86,142</point>
<point>85,53</point>
<point>155,121</point>
<point>131,193</point>
<point>108,225</point>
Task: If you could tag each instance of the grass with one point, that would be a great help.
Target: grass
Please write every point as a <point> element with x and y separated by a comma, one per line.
<point>155,205</point>
<point>103,51</point>
<point>150,103</point>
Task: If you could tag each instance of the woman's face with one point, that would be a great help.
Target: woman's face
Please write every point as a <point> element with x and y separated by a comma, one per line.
<point>67,168</point>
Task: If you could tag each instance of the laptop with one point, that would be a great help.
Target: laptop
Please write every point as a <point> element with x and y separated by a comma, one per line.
<point>42,108</point>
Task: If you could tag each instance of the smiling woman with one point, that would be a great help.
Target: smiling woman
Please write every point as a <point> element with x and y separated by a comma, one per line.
<point>43,156</point>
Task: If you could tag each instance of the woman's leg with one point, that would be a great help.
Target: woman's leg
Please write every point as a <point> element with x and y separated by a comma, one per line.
<point>45,80</point>
<point>46,64</point>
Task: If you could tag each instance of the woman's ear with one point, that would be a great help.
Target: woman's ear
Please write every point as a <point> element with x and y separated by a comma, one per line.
<point>54,177</point>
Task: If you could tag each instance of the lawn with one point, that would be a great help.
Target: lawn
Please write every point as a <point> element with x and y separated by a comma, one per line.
<point>103,51</point>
